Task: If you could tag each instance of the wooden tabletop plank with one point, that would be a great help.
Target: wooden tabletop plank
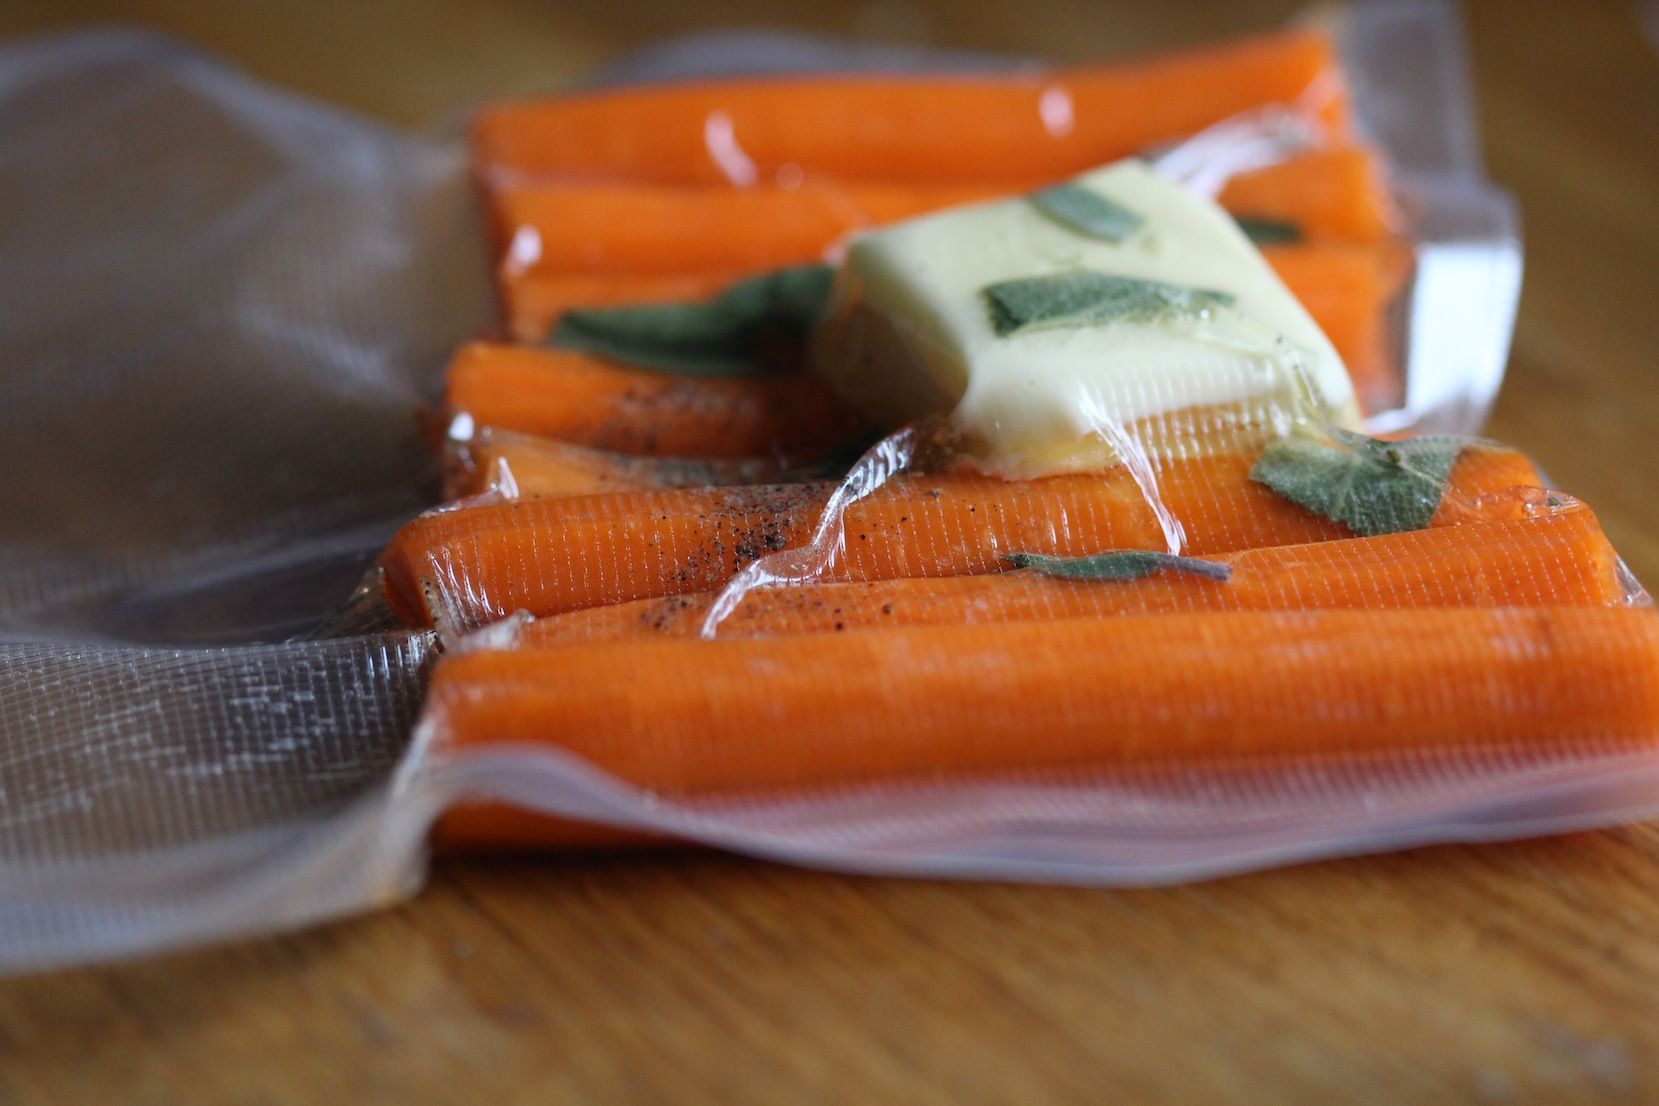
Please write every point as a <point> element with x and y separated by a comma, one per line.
<point>1501,973</point>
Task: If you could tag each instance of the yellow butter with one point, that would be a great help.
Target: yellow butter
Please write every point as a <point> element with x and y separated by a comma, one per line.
<point>912,332</point>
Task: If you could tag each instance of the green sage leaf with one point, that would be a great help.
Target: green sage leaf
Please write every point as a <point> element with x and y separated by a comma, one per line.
<point>1084,298</point>
<point>1086,212</point>
<point>1119,564</point>
<point>740,332</point>
<point>1372,487</point>
<point>1269,232</point>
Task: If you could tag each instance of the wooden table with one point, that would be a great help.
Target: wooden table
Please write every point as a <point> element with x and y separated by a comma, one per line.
<point>1504,973</point>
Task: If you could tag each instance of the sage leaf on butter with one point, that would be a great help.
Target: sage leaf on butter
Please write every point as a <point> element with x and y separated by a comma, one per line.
<point>1372,487</point>
<point>737,333</point>
<point>1085,297</point>
<point>1086,212</point>
<point>1119,564</point>
<point>1269,232</point>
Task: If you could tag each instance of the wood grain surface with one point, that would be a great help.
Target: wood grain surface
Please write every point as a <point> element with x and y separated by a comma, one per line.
<point>1510,973</point>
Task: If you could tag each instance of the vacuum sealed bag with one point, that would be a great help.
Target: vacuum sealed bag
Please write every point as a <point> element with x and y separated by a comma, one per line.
<point>759,531</point>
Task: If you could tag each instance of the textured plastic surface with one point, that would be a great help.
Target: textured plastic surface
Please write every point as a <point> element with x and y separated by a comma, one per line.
<point>221,309</point>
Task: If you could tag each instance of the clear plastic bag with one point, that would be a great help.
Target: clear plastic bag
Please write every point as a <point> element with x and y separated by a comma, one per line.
<point>218,415</point>
<point>221,311</point>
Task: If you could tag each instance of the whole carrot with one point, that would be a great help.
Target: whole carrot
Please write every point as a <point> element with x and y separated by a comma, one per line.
<point>981,129</point>
<point>546,468</point>
<point>644,228</point>
<point>551,556</point>
<point>1087,695</point>
<point>1557,559</point>
<point>583,399</point>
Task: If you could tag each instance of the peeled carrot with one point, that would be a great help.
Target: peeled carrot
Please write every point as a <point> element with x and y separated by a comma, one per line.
<point>545,468</point>
<point>1085,695</point>
<point>1558,559</point>
<point>642,228</point>
<point>584,399</point>
<point>1337,192</point>
<point>551,556</point>
<point>650,229</point>
<point>981,129</point>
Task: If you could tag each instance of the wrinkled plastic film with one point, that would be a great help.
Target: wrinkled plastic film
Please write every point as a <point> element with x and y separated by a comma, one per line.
<point>205,791</point>
<point>1411,91</point>
<point>221,316</point>
<point>222,310</point>
<point>1101,831</point>
<point>256,439</point>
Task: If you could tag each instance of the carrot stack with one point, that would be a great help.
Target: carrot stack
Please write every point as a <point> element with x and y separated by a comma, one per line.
<point>627,197</point>
<point>1336,598</point>
<point>551,556</point>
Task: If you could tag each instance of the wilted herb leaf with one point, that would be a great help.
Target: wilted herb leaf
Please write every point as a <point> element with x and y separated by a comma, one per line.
<point>1085,297</point>
<point>1372,487</point>
<point>737,333</point>
<point>1119,564</point>
<point>1087,212</point>
<point>1269,232</point>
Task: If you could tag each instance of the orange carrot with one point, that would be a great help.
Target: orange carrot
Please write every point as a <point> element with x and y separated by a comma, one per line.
<point>529,467</point>
<point>551,556</point>
<point>1348,290</point>
<point>1337,192</point>
<point>1218,689</point>
<point>647,229</point>
<point>584,399</point>
<point>663,229</point>
<point>981,129</point>
<point>1558,559</point>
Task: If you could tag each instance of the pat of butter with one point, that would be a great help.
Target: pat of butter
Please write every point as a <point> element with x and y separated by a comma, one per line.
<point>912,330</point>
